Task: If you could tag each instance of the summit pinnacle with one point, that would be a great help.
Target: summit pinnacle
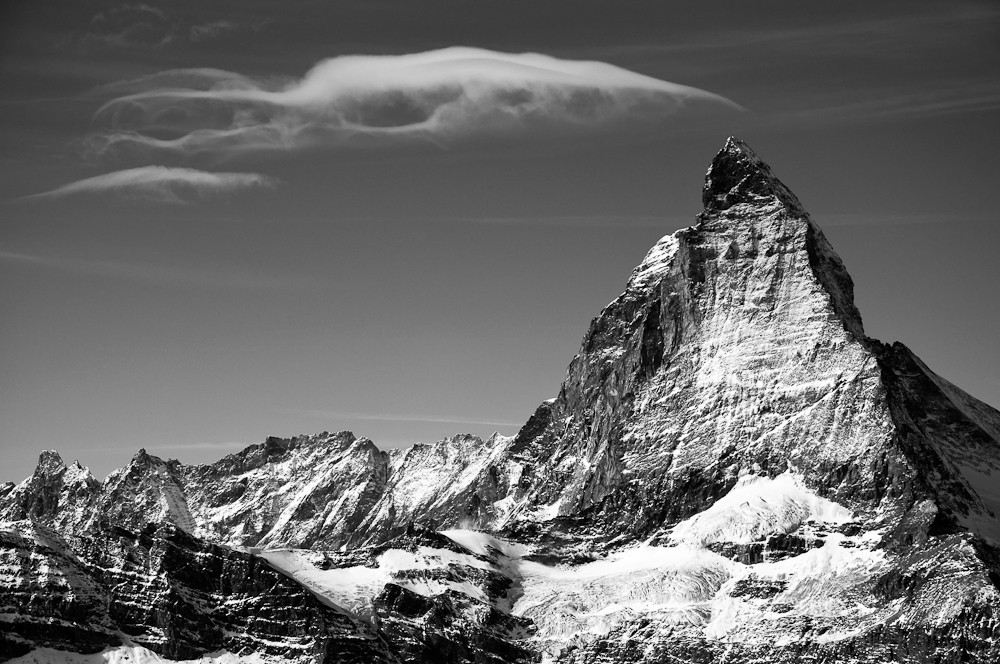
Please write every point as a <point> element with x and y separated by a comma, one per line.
<point>737,175</point>
<point>49,463</point>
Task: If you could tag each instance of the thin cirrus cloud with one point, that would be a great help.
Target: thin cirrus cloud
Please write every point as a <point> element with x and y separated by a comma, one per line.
<point>168,275</point>
<point>396,417</point>
<point>436,96</point>
<point>160,184</point>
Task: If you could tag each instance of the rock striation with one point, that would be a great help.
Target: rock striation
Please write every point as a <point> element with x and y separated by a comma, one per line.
<point>731,470</point>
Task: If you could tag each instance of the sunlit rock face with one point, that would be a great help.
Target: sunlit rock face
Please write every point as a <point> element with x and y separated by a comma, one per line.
<point>736,348</point>
<point>731,471</point>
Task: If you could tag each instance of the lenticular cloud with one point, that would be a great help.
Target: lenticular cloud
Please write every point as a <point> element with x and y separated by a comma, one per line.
<point>437,96</point>
<point>159,184</point>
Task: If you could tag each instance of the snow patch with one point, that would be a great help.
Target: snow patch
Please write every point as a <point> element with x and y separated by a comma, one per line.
<point>820,583</point>
<point>485,545</point>
<point>657,260</point>
<point>354,588</point>
<point>674,585</point>
<point>134,655</point>
<point>757,507</point>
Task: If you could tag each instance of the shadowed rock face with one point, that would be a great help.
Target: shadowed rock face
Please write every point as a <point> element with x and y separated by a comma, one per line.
<point>739,177</point>
<point>731,467</point>
<point>166,591</point>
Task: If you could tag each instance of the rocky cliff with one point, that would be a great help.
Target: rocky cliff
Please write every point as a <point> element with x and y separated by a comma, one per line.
<point>731,470</point>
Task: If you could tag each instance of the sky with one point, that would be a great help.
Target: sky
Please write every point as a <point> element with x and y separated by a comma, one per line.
<point>221,221</point>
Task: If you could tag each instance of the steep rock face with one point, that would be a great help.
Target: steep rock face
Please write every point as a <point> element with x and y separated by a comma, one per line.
<point>952,438</point>
<point>455,482</point>
<point>736,347</point>
<point>324,490</point>
<point>731,470</point>
<point>71,501</point>
<point>307,491</point>
<point>435,597</point>
<point>148,490</point>
<point>50,598</point>
<point>55,494</point>
<point>166,591</point>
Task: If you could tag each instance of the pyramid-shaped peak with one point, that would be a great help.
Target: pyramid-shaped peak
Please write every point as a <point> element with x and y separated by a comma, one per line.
<point>737,175</point>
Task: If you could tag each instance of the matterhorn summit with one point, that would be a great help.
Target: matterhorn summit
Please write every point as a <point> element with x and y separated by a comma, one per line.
<point>731,471</point>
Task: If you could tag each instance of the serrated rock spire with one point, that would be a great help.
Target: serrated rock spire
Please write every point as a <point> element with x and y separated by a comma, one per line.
<point>49,463</point>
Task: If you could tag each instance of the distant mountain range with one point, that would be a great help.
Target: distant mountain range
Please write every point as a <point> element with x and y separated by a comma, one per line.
<point>731,471</point>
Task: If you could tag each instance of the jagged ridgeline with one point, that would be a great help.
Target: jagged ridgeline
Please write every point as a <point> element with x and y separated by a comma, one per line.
<point>731,471</point>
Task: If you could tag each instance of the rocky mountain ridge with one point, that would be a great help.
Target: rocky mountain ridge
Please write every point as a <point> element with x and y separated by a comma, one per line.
<point>731,467</point>
<point>323,490</point>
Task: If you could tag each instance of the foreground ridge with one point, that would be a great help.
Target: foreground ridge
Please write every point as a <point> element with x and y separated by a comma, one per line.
<point>731,468</point>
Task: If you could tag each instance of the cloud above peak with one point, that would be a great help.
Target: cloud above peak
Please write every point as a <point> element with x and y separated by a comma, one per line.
<point>160,184</point>
<point>438,96</point>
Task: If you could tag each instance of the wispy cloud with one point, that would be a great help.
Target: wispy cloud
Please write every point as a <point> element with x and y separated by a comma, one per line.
<point>161,274</point>
<point>915,47</point>
<point>435,96</point>
<point>922,103</point>
<point>138,25</point>
<point>883,219</point>
<point>155,447</point>
<point>207,445</point>
<point>581,221</point>
<point>210,30</point>
<point>396,417</point>
<point>161,184</point>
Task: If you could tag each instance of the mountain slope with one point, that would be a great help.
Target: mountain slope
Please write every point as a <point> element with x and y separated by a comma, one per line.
<point>736,347</point>
<point>731,468</point>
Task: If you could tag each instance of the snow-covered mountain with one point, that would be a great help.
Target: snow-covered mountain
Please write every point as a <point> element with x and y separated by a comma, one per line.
<point>731,470</point>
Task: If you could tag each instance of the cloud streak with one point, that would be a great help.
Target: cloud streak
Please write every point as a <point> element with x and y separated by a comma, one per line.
<point>393,417</point>
<point>882,219</point>
<point>581,221</point>
<point>958,99</point>
<point>161,184</point>
<point>229,279</point>
<point>436,96</point>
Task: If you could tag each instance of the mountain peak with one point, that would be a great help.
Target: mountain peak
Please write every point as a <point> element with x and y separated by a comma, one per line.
<point>737,175</point>
<point>50,463</point>
<point>726,431</point>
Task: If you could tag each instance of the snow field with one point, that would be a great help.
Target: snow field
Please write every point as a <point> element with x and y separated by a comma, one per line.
<point>757,507</point>
<point>131,654</point>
